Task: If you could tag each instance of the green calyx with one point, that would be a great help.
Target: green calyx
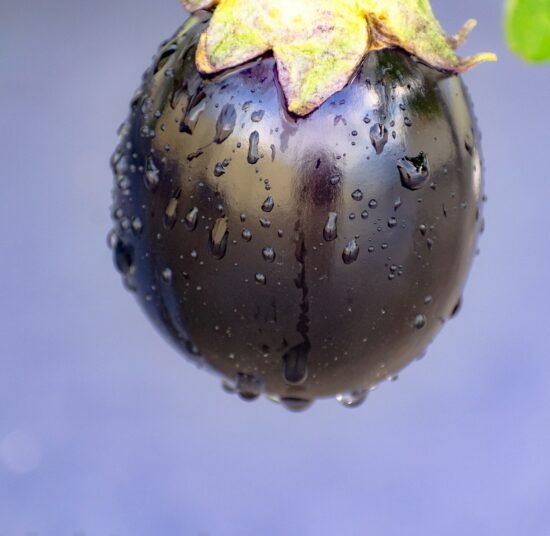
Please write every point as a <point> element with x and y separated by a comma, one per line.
<point>318,44</point>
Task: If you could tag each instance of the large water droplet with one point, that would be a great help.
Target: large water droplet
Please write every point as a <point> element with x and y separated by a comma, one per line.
<point>351,252</point>
<point>268,204</point>
<point>357,195</point>
<point>330,232</point>
<point>218,238</point>
<point>225,123</point>
<point>295,404</point>
<point>151,174</point>
<point>378,137</point>
<point>193,112</point>
<point>414,171</point>
<point>123,255</point>
<point>253,155</point>
<point>353,398</point>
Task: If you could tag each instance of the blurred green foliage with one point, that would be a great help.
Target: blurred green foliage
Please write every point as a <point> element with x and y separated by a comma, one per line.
<point>527,25</point>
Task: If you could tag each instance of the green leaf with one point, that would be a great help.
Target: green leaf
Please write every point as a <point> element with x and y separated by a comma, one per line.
<point>528,28</point>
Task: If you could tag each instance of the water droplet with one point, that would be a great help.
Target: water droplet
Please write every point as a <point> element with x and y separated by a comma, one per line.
<point>257,116</point>
<point>265,223</point>
<point>351,252</point>
<point>151,174</point>
<point>260,278</point>
<point>392,222</point>
<point>456,308</point>
<point>191,219</point>
<point>248,386</point>
<point>397,204</point>
<point>428,300</point>
<point>295,364</point>
<point>166,276</point>
<point>218,238</point>
<point>420,321</point>
<point>219,169</point>
<point>353,398</point>
<point>195,108</point>
<point>414,171</point>
<point>268,204</point>
<point>137,225</point>
<point>357,195</point>
<point>247,235</point>
<point>268,254</point>
<point>364,214</point>
<point>253,155</point>
<point>334,180</point>
<point>373,203</point>
<point>171,213</point>
<point>378,137</point>
<point>330,232</point>
<point>295,404</point>
<point>407,122</point>
<point>225,123</point>
<point>366,119</point>
<point>123,256</point>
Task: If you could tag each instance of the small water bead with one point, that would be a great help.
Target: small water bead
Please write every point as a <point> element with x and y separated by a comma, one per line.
<point>218,238</point>
<point>268,254</point>
<point>397,204</point>
<point>191,219</point>
<point>353,398</point>
<point>152,175</point>
<point>420,321</point>
<point>295,364</point>
<point>243,217</point>
<point>378,137</point>
<point>257,116</point>
<point>373,203</point>
<point>364,214</point>
<point>219,169</point>
<point>427,300</point>
<point>194,254</point>
<point>407,122</point>
<point>265,223</point>
<point>456,308</point>
<point>247,235</point>
<point>351,215</point>
<point>392,222</point>
<point>334,180</point>
<point>171,213</point>
<point>268,204</point>
<point>166,276</point>
<point>330,231</point>
<point>414,171</point>
<point>351,252</point>
<point>357,195</point>
<point>137,225</point>
<point>225,123</point>
<point>260,278</point>
<point>253,154</point>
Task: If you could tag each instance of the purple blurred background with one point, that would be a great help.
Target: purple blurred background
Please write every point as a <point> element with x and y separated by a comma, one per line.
<point>105,430</point>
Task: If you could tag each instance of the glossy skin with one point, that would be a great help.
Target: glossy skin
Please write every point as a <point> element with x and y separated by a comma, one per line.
<point>324,260</point>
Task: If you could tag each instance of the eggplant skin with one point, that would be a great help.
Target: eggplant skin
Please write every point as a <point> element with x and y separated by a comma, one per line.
<point>301,257</point>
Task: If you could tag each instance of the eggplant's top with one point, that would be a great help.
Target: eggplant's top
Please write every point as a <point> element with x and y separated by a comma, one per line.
<point>318,44</point>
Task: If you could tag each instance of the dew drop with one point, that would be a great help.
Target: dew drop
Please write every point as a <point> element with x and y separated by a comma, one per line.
<point>268,204</point>
<point>351,252</point>
<point>378,137</point>
<point>253,155</point>
<point>123,255</point>
<point>330,231</point>
<point>295,404</point>
<point>218,238</point>
<point>295,364</point>
<point>260,278</point>
<point>352,399</point>
<point>392,222</point>
<point>247,235</point>
<point>268,254</point>
<point>257,116</point>
<point>151,174</point>
<point>225,123</point>
<point>420,321</point>
<point>191,219</point>
<point>414,171</point>
<point>166,276</point>
<point>373,203</point>
<point>357,195</point>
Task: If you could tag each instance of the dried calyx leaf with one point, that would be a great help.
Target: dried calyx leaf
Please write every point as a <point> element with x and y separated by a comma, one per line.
<point>318,44</point>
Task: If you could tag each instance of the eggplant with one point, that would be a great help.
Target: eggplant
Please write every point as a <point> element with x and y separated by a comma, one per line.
<point>299,257</point>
